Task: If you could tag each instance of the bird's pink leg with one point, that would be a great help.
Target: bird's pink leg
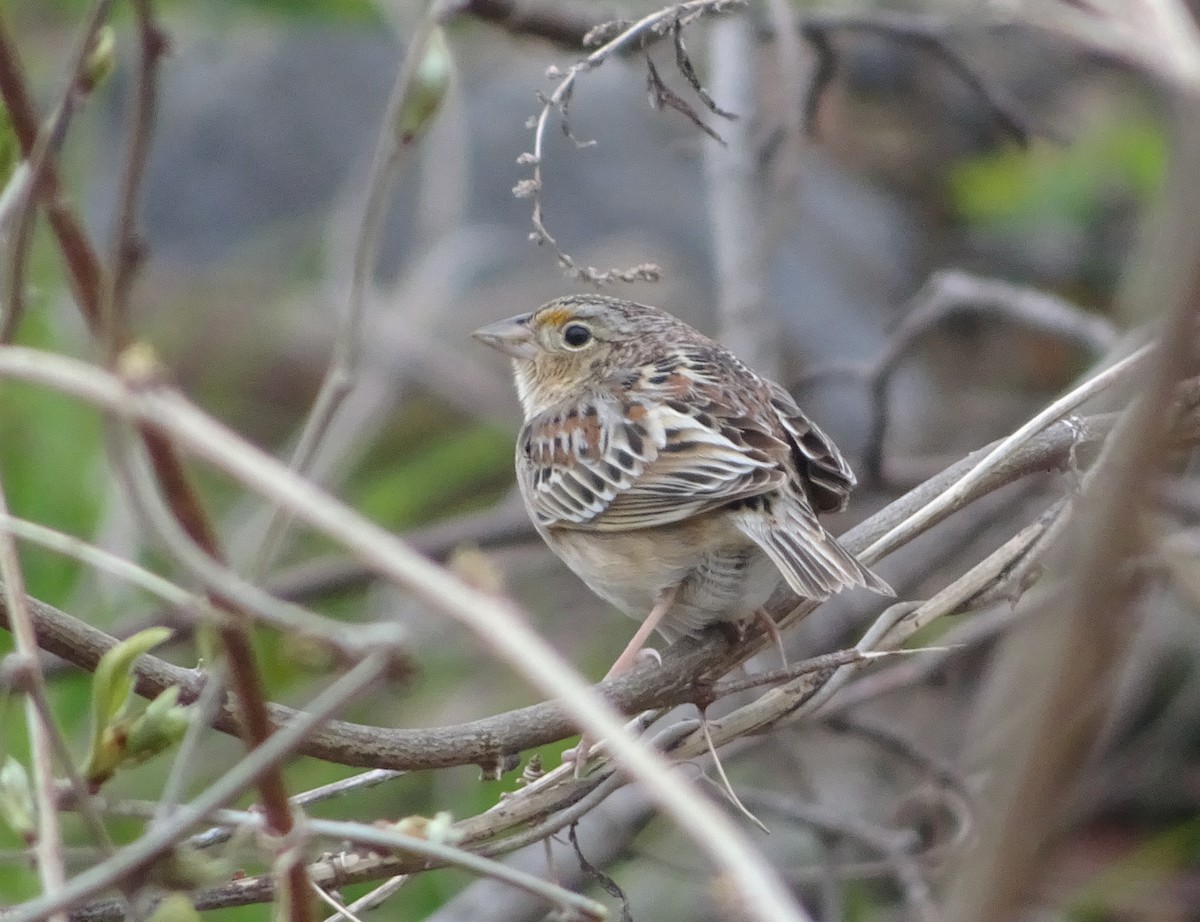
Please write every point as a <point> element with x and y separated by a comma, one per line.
<point>624,662</point>
<point>772,630</point>
<point>628,656</point>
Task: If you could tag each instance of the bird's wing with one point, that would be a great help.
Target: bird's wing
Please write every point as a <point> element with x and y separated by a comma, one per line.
<point>824,475</point>
<point>620,463</point>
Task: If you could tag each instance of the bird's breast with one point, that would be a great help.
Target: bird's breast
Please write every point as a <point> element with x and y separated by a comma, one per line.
<point>719,572</point>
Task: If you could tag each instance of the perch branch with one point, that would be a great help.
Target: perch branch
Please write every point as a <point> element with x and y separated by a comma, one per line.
<point>507,634</point>
<point>482,741</point>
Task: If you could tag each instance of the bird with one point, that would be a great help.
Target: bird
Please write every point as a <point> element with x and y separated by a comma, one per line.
<point>677,483</point>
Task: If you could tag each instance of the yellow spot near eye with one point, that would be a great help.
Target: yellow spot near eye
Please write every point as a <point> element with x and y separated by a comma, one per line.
<point>556,316</point>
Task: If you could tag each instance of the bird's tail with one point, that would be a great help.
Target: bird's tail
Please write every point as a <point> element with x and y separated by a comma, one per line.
<point>812,561</point>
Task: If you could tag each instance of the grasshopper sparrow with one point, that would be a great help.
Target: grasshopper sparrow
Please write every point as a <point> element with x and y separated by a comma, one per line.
<point>677,483</point>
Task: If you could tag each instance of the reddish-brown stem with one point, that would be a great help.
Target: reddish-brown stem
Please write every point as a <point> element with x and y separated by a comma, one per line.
<point>101,305</point>
<point>86,273</point>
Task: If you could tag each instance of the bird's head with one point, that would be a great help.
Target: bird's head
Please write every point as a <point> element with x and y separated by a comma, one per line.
<point>568,344</point>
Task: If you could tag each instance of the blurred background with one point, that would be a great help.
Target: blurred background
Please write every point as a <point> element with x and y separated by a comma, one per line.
<point>268,114</point>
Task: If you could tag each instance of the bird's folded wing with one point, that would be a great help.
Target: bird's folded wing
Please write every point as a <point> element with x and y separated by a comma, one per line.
<point>824,473</point>
<point>614,466</point>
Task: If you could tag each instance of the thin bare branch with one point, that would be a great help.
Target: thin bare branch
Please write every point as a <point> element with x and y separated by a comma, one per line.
<point>125,251</point>
<point>927,32</point>
<point>341,375</point>
<point>952,498</point>
<point>49,842</point>
<point>563,23</point>
<point>246,773</point>
<point>38,148</point>
<point>631,36</point>
<point>955,293</point>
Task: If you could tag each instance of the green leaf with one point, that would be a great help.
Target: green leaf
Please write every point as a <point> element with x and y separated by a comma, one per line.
<point>161,726</point>
<point>112,691</point>
<point>113,682</point>
<point>428,88</point>
<point>101,58</point>
<point>1015,188</point>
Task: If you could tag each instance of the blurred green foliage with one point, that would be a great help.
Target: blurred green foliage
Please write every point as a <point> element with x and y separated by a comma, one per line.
<point>51,459</point>
<point>1012,188</point>
<point>1163,859</point>
<point>9,150</point>
<point>457,471</point>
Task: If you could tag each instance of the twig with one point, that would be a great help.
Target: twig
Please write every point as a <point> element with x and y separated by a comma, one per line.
<point>256,763</point>
<point>561,23</point>
<point>888,738</point>
<point>927,32</point>
<point>951,293</point>
<point>204,710</point>
<point>339,911</point>
<point>326,791</point>
<point>725,786</point>
<point>897,846</point>
<point>84,268</point>
<point>49,842</point>
<point>981,628</point>
<point>126,252</point>
<point>251,602</point>
<point>101,561</point>
<point>389,838</point>
<point>343,370</point>
<point>377,896</point>
<point>826,662</point>
<point>498,526</point>
<point>657,23</point>
<point>954,497</point>
<point>446,855</point>
<point>898,624</point>
<point>182,510</point>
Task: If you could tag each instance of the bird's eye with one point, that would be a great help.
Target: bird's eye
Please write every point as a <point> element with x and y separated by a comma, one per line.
<point>576,335</point>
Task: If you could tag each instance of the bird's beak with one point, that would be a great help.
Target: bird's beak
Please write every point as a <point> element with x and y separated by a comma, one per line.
<point>513,337</point>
